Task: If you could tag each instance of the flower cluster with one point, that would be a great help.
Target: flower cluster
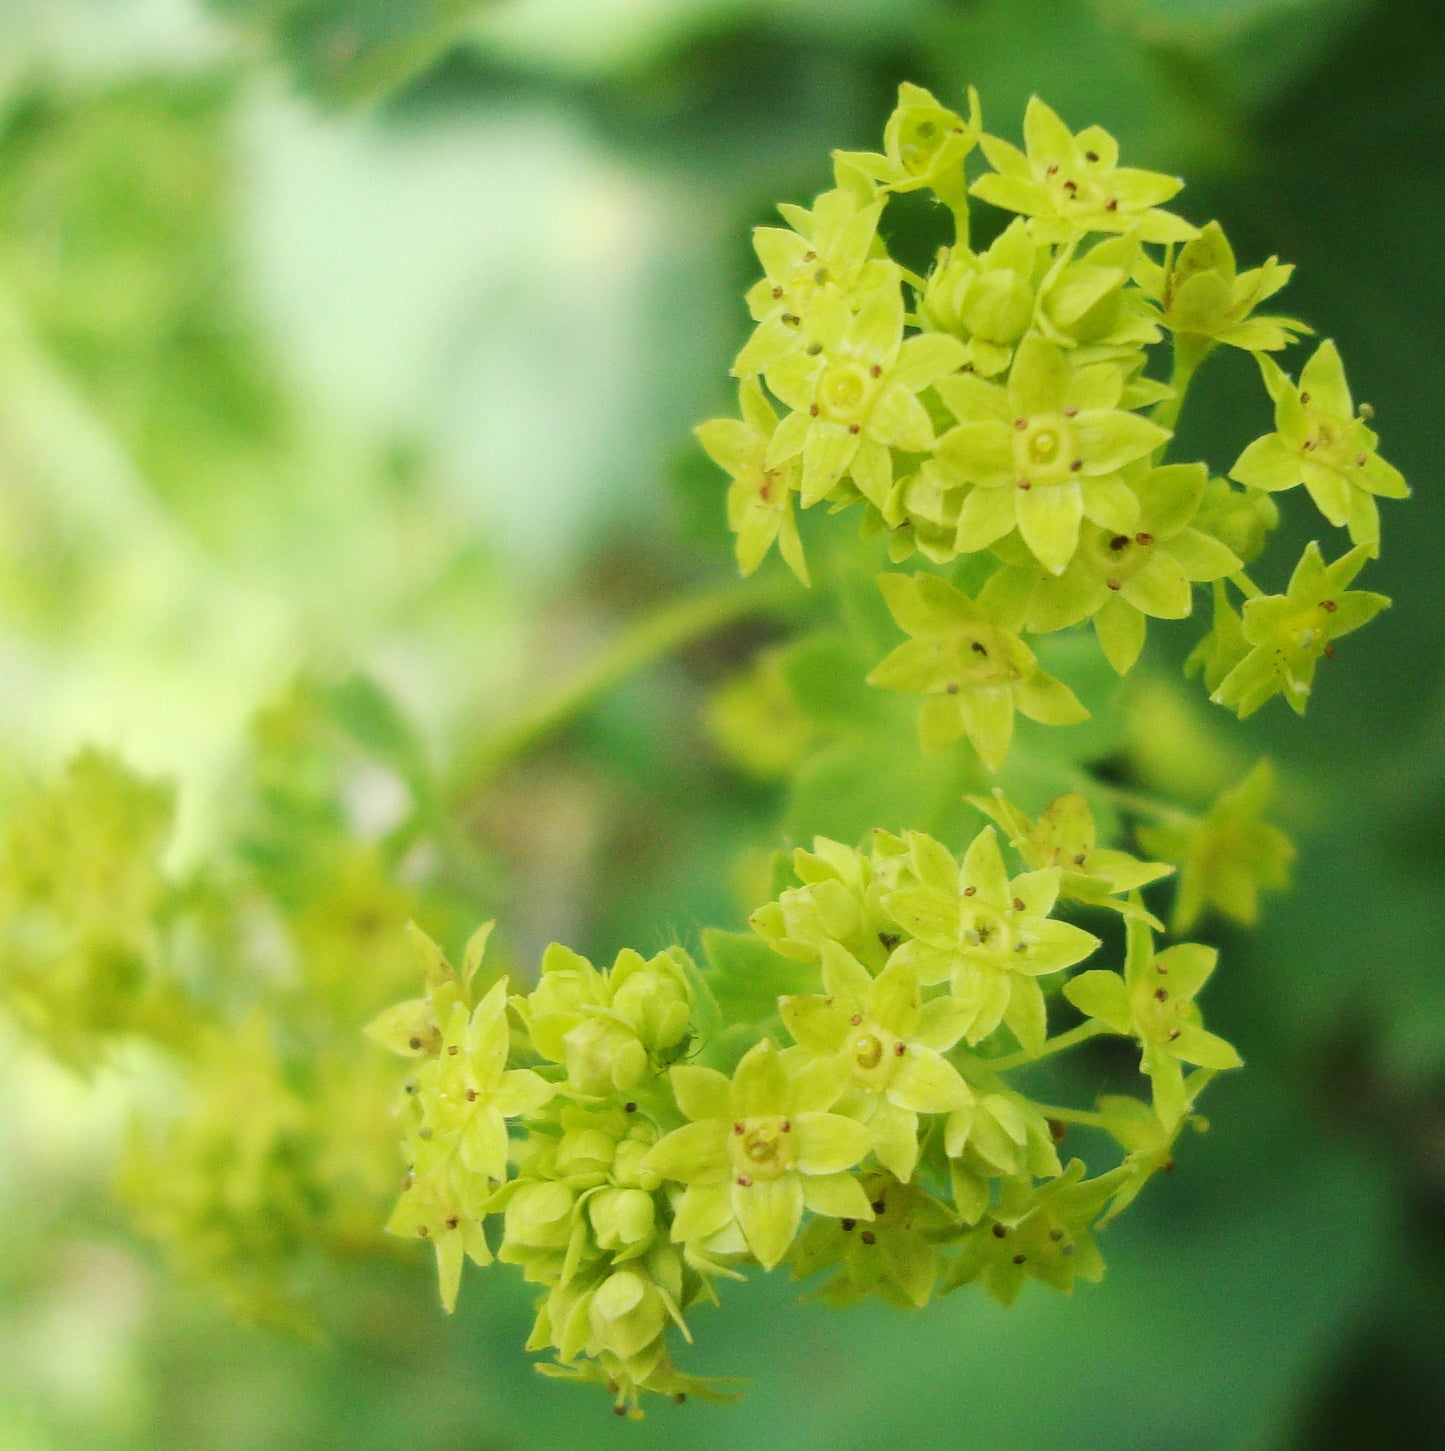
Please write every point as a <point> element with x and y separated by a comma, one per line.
<point>870,1127</point>
<point>1006,410</point>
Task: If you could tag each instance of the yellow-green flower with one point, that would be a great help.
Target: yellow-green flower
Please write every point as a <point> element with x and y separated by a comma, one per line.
<point>973,674</point>
<point>1290,634</point>
<point>825,252</point>
<point>760,496</point>
<point>924,144</point>
<point>891,1043</point>
<point>989,937</point>
<point>854,393</point>
<point>760,1149</point>
<point>1045,453</point>
<point>1154,1002</point>
<point>1072,185</point>
<point>1320,442</point>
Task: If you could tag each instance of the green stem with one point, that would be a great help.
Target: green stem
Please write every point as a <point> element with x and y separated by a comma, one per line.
<point>1137,804</point>
<point>1189,353</point>
<point>1086,1030</point>
<point>671,626</point>
<point>1245,585</point>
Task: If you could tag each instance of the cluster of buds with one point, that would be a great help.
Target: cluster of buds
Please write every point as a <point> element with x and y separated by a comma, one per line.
<point>1003,408</point>
<point>636,1150</point>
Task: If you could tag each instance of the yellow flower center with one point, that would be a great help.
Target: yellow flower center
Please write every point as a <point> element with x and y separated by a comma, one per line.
<point>843,391</point>
<point>1044,451</point>
<point>761,1148</point>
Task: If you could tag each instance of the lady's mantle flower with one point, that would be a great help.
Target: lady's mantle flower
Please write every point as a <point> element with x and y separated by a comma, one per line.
<point>1290,633</point>
<point>854,393</point>
<point>1121,579</point>
<point>827,251</point>
<point>1071,185</point>
<point>989,937</point>
<point>760,498</point>
<point>760,1149</point>
<point>890,1041</point>
<point>1038,1233</point>
<point>895,1257</point>
<point>463,1098</point>
<point>1066,837</point>
<point>1321,443</point>
<point>1046,453</point>
<point>974,673</point>
<point>1154,1002</point>
<point>1203,295</point>
<point>1227,857</point>
<point>924,144</point>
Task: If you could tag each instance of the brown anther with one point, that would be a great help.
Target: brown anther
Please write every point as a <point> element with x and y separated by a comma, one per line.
<point>1329,650</point>
<point>969,891</point>
<point>1142,538</point>
<point>422,1231</point>
<point>743,1182</point>
<point>855,428</point>
<point>1080,859</point>
<point>1071,187</point>
<point>1067,1250</point>
<point>1057,1129</point>
<point>876,371</point>
<point>454,1050</point>
<point>820,276</point>
<point>847,1225</point>
<point>1021,424</point>
<point>1114,584</point>
<point>1091,156</point>
<point>1018,904</point>
<point>1304,397</point>
<point>471,1095</point>
<point>1311,444</point>
<point>1020,1259</point>
<point>630,1106</point>
<point>1112,205</point>
<point>785,1126</point>
<point>813,349</point>
<point>452,1221</point>
<point>1161,994</point>
<point>1025,485</point>
<point>1168,1166</point>
<point>888,940</point>
<point>999,1232</point>
<point>856,1019</point>
<point>1360,459</point>
<point>680,1399</point>
<point>1071,411</point>
<point>1328,606</point>
<point>1174,1034</point>
<point>1053,169</point>
<point>740,1128</point>
<point>952,687</point>
<point>619,1409</point>
<point>868,1237</point>
<point>814,410</point>
<point>899,1049</point>
<point>777,292</point>
<point>1056,1235</point>
<point>792,319</point>
<point>1076,465</point>
<point>414,1043</point>
<point>1118,542</point>
<point>406,1182</point>
<point>978,647</point>
<point>810,256</point>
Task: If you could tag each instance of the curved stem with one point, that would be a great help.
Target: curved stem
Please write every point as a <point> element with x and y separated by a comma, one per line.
<point>1245,585</point>
<point>1189,353</point>
<point>1083,1116</point>
<point>1137,804</point>
<point>1091,1028</point>
<point>671,626</point>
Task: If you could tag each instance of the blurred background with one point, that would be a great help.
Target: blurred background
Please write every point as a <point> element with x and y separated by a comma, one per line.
<point>348,355</point>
